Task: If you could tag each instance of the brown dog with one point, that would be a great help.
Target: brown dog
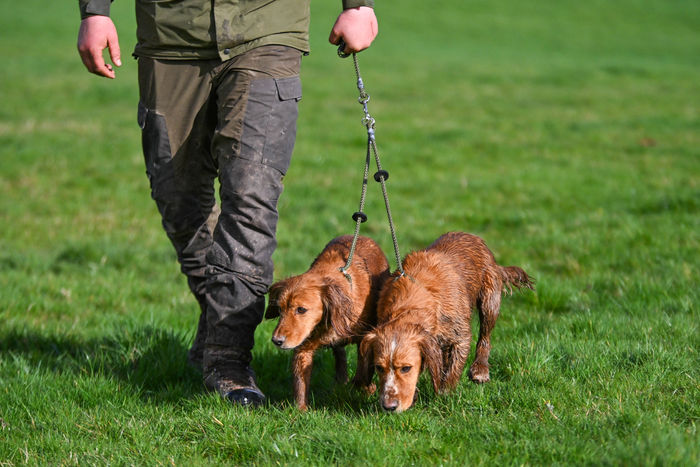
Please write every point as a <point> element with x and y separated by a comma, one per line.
<point>424,317</point>
<point>324,308</point>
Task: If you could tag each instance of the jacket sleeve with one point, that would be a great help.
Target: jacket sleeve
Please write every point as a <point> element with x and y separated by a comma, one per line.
<point>94,7</point>
<point>357,3</point>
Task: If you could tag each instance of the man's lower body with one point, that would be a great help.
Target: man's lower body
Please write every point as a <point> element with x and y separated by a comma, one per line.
<point>234,121</point>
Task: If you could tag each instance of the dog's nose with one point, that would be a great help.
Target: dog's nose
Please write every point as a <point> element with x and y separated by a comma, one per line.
<point>277,340</point>
<point>390,406</point>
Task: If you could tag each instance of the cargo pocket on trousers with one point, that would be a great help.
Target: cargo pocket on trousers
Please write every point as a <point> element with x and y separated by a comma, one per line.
<point>270,123</point>
<point>156,146</point>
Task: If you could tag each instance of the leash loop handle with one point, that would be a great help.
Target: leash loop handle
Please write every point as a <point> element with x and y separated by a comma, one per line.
<point>341,50</point>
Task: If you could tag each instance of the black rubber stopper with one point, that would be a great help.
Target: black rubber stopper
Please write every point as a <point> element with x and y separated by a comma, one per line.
<point>359,215</point>
<point>381,173</point>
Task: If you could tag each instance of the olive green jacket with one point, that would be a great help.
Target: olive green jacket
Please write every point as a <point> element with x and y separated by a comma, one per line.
<point>189,29</point>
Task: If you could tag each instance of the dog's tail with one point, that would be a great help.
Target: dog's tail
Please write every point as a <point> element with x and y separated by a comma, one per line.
<point>514,276</point>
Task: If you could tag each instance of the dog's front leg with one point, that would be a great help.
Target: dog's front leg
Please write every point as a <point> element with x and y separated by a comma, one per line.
<point>301,369</point>
<point>341,364</point>
<point>364,373</point>
<point>454,367</point>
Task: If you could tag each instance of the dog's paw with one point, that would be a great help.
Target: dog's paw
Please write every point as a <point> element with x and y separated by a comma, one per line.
<point>368,389</point>
<point>341,378</point>
<point>479,373</point>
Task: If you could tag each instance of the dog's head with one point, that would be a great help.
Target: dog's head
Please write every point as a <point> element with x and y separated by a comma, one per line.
<point>303,303</point>
<point>398,354</point>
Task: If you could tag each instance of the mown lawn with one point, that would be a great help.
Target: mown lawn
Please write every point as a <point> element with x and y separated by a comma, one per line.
<point>565,134</point>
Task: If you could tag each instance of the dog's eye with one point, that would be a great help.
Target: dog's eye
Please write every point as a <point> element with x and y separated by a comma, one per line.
<point>301,310</point>
<point>378,369</point>
<point>405,369</point>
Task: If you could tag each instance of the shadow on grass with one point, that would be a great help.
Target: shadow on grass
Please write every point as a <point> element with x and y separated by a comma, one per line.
<point>153,365</point>
<point>151,361</point>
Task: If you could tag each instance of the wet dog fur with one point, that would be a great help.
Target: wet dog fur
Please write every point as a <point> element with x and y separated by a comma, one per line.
<point>424,317</point>
<point>323,308</point>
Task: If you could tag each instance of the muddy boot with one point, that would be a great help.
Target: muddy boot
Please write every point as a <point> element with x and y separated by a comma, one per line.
<point>228,373</point>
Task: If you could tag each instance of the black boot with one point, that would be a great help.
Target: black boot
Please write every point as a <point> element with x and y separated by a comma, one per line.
<point>227,372</point>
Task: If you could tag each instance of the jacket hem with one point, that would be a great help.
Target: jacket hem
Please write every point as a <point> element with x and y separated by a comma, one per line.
<point>213,54</point>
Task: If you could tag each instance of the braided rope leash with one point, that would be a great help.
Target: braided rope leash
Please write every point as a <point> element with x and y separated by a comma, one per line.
<point>380,176</point>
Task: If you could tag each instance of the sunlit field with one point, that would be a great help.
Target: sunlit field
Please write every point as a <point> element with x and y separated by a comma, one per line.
<point>565,134</point>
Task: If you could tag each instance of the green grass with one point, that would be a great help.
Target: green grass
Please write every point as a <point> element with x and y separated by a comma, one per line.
<point>565,134</point>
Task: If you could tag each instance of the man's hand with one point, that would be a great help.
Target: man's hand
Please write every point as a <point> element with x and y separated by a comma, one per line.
<point>96,34</point>
<point>357,27</point>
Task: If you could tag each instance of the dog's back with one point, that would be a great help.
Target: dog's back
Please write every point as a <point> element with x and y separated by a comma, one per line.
<point>445,278</point>
<point>369,257</point>
<point>471,258</point>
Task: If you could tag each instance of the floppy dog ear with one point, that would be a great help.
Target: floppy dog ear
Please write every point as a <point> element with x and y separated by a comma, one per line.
<point>337,306</point>
<point>432,359</point>
<point>365,359</point>
<point>273,309</point>
<point>365,347</point>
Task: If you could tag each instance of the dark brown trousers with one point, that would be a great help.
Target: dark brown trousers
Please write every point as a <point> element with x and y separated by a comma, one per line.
<point>234,121</point>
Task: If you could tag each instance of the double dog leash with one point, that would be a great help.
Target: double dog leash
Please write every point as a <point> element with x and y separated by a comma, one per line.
<point>381,176</point>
